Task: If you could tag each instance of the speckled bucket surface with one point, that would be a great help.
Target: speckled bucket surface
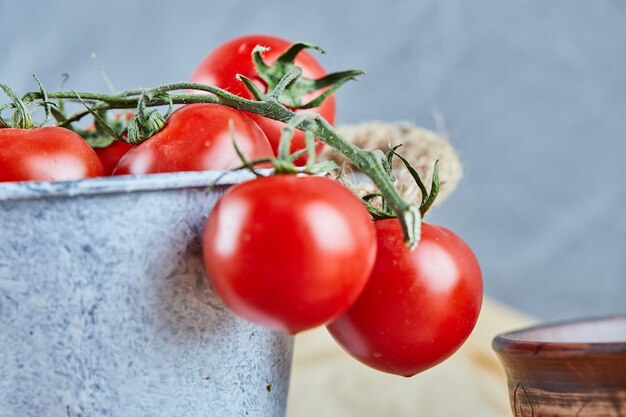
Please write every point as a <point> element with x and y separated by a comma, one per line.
<point>105,310</point>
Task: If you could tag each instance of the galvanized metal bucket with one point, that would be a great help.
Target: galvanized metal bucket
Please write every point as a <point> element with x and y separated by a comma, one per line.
<point>105,310</point>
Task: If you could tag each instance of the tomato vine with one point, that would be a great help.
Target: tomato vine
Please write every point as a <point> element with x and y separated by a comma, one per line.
<point>372,163</point>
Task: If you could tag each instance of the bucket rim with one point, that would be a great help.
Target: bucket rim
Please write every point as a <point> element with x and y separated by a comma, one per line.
<point>28,190</point>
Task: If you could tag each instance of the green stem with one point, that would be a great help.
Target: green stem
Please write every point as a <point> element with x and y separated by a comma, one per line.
<point>21,117</point>
<point>370,163</point>
<point>71,95</point>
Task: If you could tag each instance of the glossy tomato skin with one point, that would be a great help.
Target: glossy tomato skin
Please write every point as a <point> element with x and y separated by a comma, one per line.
<point>46,154</point>
<point>418,306</point>
<point>197,137</point>
<point>110,155</point>
<point>222,65</point>
<point>287,252</point>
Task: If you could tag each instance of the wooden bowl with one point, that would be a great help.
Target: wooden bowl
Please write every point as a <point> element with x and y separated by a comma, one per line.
<point>574,369</point>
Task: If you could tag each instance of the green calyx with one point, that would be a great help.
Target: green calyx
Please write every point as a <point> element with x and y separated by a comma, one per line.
<point>147,122</point>
<point>292,96</point>
<point>283,163</point>
<point>428,198</point>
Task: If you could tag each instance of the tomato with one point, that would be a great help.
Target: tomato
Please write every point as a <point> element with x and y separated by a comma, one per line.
<point>234,57</point>
<point>418,306</point>
<point>46,154</point>
<point>110,155</point>
<point>289,252</point>
<point>197,137</point>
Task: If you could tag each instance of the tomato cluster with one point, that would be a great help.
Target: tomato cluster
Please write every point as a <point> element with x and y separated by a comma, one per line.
<point>289,252</point>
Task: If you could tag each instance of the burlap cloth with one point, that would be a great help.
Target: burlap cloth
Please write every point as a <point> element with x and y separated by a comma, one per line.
<point>326,382</point>
<point>421,147</point>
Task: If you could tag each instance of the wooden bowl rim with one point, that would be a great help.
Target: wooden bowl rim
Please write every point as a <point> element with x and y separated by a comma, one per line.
<point>513,343</point>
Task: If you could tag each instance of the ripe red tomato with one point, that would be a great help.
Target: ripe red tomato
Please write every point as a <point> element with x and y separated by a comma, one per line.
<point>289,252</point>
<point>234,57</point>
<point>110,155</point>
<point>46,154</point>
<point>197,137</point>
<point>418,306</point>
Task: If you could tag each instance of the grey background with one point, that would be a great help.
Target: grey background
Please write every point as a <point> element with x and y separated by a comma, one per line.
<point>533,94</point>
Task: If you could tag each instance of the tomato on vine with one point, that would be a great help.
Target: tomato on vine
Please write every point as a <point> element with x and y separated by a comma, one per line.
<point>197,137</point>
<point>235,57</point>
<point>50,153</point>
<point>418,306</point>
<point>289,252</point>
<point>110,155</point>
<point>108,149</point>
<point>46,154</point>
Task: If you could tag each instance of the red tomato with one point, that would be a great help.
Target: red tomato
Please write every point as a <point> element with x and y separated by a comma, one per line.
<point>46,154</point>
<point>234,57</point>
<point>288,252</point>
<point>418,306</point>
<point>197,137</point>
<point>110,156</point>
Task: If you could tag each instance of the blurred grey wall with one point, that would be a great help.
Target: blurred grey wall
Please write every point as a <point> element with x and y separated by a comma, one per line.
<point>533,94</point>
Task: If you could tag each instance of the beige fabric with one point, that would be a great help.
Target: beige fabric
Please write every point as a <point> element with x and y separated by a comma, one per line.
<point>327,382</point>
<point>421,147</point>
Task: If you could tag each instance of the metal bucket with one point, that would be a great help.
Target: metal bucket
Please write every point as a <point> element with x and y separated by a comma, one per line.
<point>105,310</point>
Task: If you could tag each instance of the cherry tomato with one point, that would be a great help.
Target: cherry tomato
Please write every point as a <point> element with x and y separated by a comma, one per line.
<point>197,137</point>
<point>288,252</point>
<point>418,306</point>
<point>46,154</point>
<point>234,57</point>
<point>110,155</point>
